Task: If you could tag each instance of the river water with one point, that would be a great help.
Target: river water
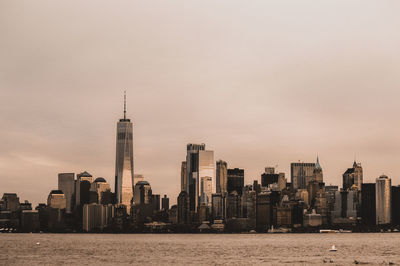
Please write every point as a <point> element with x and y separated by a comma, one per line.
<point>196,249</point>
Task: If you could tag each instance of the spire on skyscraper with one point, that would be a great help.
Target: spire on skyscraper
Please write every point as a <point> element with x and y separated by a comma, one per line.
<point>317,165</point>
<point>124,105</point>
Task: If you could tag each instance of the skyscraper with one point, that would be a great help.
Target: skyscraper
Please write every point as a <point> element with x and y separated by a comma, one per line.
<point>317,173</point>
<point>235,180</point>
<point>199,163</point>
<point>66,183</point>
<point>183,176</point>
<point>124,161</point>
<point>222,177</point>
<point>353,176</point>
<point>301,174</point>
<point>383,198</point>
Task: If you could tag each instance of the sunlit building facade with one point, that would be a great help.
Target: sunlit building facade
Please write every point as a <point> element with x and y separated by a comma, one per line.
<point>383,200</point>
<point>124,162</point>
<point>222,177</point>
<point>199,163</point>
<point>301,174</point>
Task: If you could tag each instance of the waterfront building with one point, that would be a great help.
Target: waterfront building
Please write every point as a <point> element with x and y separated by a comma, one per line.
<point>368,204</point>
<point>10,202</point>
<point>206,190</point>
<point>66,183</point>
<point>143,193</point>
<point>183,208</point>
<point>218,206</point>
<point>29,221</point>
<point>199,163</point>
<point>312,219</point>
<point>345,208</point>
<point>165,203</point>
<point>100,186</point>
<point>184,184</point>
<point>301,174</point>
<point>383,200</point>
<point>233,205</point>
<point>222,177</point>
<point>235,180</point>
<point>124,174</point>
<point>56,200</point>
<point>82,188</point>
<point>263,212</point>
<point>353,176</point>
<point>97,216</point>
<point>155,201</point>
<point>138,178</point>
<point>395,205</point>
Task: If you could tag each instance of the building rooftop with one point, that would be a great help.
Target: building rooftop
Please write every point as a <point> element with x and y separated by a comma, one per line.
<point>100,180</point>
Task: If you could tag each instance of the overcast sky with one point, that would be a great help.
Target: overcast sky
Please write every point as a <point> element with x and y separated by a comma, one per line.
<point>262,83</point>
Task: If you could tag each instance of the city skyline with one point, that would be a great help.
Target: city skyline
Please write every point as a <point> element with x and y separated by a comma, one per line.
<point>261,85</point>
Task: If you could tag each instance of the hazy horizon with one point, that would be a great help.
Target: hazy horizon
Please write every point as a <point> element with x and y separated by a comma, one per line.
<point>261,83</point>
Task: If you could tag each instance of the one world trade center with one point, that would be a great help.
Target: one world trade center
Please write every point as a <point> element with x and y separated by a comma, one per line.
<point>124,161</point>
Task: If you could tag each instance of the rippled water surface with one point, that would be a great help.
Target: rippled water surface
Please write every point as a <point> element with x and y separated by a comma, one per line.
<point>221,249</point>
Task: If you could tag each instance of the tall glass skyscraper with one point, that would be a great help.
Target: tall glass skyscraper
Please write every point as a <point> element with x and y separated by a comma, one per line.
<point>124,161</point>
<point>199,163</point>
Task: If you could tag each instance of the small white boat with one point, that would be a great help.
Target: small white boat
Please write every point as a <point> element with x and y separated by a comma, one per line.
<point>38,243</point>
<point>333,248</point>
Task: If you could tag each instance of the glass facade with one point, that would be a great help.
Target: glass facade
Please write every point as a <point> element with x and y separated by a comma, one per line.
<point>124,163</point>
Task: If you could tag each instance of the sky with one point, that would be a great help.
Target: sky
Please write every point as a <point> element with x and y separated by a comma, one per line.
<point>261,83</point>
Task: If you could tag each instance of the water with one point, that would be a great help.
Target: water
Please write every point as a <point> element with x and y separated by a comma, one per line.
<point>220,249</point>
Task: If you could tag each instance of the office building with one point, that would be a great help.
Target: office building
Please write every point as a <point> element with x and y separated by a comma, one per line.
<point>155,201</point>
<point>395,205</point>
<point>97,216</point>
<point>301,174</point>
<point>218,207</point>
<point>99,186</point>
<point>143,193</point>
<point>57,200</point>
<point>124,173</point>
<point>10,202</point>
<point>199,163</point>
<point>222,177</point>
<point>235,180</point>
<point>206,190</point>
<point>165,203</point>
<point>383,200</point>
<point>368,204</point>
<point>66,183</point>
<point>353,177</point>
<point>184,184</point>
<point>82,188</point>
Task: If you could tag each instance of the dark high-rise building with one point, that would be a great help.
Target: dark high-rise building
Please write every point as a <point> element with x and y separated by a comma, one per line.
<point>263,212</point>
<point>235,180</point>
<point>165,203</point>
<point>268,179</point>
<point>11,202</point>
<point>184,184</point>
<point>155,201</point>
<point>66,183</point>
<point>383,200</point>
<point>183,208</point>
<point>218,206</point>
<point>353,177</point>
<point>124,161</point>
<point>395,205</point>
<point>199,164</point>
<point>301,174</point>
<point>368,204</point>
<point>222,177</point>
